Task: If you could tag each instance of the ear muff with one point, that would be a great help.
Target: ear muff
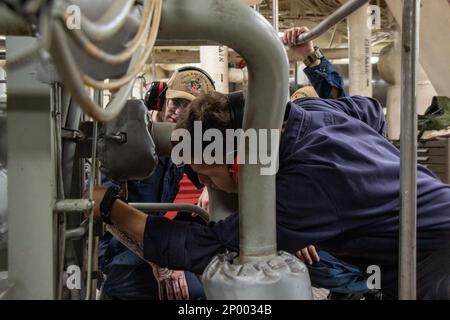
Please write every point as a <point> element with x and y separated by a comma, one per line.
<point>155,97</point>
<point>236,103</point>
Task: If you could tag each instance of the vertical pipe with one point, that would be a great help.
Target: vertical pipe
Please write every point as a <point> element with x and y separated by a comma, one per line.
<point>388,67</point>
<point>275,15</point>
<point>222,204</point>
<point>90,249</point>
<point>360,52</point>
<point>408,219</point>
<point>241,28</point>
<point>214,60</point>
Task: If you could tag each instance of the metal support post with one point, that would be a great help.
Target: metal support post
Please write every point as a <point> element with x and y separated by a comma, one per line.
<point>32,182</point>
<point>408,142</point>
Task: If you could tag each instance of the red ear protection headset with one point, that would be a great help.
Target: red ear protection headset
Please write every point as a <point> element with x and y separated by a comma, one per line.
<point>233,169</point>
<point>155,97</point>
<point>236,103</point>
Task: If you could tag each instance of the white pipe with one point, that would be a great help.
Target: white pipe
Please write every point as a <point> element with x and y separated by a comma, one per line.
<point>388,66</point>
<point>236,75</point>
<point>214,60</point>
<point>2,85</point>
<point>360,52</point>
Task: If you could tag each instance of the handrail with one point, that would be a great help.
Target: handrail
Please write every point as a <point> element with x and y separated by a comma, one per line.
<point>343,12</point>
<point>155,207</point>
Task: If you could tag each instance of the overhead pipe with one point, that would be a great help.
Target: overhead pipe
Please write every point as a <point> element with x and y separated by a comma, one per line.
<point>343,12</point>
<point>408,142</point>
<point>12,24</point>
<point>224,22</point>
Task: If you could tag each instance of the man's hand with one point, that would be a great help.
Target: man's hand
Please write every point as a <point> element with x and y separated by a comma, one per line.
<point>308,255</point>
<point>172,284</point>
<point>203,200</point>
<point>290,37</point>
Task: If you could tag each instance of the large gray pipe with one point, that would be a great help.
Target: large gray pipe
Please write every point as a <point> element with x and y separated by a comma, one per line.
<point>12,24</point>
<point>241,28</point>
<point>408,142</point>
<point>343,12</point>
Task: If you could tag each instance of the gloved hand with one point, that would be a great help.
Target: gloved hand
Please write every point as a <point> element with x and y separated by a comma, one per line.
<point>172,284</point>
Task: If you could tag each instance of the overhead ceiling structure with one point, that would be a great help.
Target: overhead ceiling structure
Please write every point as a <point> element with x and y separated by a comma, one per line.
<point>434,44</point>
<point>294,13</point>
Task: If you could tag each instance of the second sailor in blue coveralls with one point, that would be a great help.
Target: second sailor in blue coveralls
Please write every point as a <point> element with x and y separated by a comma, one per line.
<point>346,197</point>
<point>342,279</point>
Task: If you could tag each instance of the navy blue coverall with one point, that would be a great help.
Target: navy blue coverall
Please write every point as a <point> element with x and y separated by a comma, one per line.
<point>345,201</point>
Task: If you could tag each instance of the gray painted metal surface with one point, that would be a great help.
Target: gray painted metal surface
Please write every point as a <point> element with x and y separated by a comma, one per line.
<point>222,204</point>
<point>408,142</point>
<point>281,277</point>
<point>74,205</point>
<point>77,233</point>
<point>155,207</point>
<point>125,146</point>
<point>161,133</point>
<point>11,24</point>
<point>32,182</point>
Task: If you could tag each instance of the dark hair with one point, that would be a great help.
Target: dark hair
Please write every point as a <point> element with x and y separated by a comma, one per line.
<point>180,102</point>
<point>212,110</point>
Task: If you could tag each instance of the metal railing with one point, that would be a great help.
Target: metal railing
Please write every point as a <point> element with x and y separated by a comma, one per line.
<point>343,12</point>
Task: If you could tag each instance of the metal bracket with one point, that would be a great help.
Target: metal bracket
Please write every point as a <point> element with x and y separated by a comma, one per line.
<point>72,135</point>
<point>84,147</point>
